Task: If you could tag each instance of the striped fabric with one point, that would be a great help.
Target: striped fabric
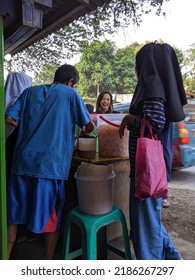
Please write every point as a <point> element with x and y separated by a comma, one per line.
<point>153,110</point>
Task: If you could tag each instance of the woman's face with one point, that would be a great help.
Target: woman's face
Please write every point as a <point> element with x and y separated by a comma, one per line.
<point>105,102</point>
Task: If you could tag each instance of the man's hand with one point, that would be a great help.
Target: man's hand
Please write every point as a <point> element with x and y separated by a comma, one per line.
<point>88,127</point>
<point>11,121</point>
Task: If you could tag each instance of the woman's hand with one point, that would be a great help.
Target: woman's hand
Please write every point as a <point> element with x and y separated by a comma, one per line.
<point>127,121</point>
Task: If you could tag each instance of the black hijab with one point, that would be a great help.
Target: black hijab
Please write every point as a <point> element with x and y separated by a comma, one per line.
<point>159,76</point>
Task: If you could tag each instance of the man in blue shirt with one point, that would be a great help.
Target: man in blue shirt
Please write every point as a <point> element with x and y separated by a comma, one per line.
<point>46,116</point>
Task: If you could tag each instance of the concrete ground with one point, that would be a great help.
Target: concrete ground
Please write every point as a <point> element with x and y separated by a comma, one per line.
<point>183,184</point>
<point>34,250</point>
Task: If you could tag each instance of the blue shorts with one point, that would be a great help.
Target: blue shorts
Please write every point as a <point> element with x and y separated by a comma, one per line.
<point>38,203</point>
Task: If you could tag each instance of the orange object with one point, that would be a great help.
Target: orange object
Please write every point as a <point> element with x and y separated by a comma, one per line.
<point>183,134</point>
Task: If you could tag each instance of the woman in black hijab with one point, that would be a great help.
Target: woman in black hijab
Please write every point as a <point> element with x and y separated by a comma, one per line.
<point>159,97</point>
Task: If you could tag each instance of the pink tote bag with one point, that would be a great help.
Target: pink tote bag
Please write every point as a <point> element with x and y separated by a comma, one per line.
<point>150,169</point>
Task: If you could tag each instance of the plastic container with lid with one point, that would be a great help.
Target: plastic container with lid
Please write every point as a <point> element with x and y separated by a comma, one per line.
<point>95,193</point>
<point>110,144</point>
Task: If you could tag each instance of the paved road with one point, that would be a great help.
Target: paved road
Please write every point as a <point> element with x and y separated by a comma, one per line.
<point>179,218</point>
<point>183,179</point>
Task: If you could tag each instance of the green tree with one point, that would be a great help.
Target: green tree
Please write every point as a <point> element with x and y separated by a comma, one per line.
<point>124,69</point>
<point>189,69</point>
<point>180,56</point>
<point>69,40</point>
<point>113,69</point>
<point>46,75</point>
<point>110,68</point>
<point>95,67</point>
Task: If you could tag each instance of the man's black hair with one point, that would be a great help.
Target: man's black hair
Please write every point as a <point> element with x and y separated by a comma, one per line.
<point>65,73</point>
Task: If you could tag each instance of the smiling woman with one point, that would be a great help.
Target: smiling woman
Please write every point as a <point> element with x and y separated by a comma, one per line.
<point>104,104</point>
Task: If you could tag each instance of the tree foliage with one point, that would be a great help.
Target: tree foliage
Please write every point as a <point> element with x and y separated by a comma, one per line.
<point>103,67</point>
<point>46,76</point>
<point>68,41</point>
<point>189,64</point>
<point>95,67</point>
<point>124,69</point>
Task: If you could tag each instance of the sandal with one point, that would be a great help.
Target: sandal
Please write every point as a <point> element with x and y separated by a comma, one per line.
<point>165,203</point>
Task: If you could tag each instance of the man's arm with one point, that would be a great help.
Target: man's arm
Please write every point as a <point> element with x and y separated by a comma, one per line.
<point>88,127</point>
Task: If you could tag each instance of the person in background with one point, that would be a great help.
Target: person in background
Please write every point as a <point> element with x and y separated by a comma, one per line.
<point>90,108</point>
<point>159,97</point>
<point>104,103</point>
<point>46,116</point>
<point>15,84</point>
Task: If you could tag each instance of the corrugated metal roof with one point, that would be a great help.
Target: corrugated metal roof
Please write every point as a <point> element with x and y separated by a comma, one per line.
<point>28,21</point>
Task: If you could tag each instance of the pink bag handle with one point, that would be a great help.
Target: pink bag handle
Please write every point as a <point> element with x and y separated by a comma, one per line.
<point>146,123</point>
<point>113,124</point>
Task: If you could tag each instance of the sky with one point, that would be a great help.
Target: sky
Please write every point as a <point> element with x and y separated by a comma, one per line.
<point>178,28</point>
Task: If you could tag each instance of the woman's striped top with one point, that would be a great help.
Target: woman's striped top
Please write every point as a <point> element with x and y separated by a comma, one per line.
<point>154,111</point>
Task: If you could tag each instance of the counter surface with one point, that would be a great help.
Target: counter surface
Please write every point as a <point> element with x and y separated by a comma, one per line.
<point>76,160</point>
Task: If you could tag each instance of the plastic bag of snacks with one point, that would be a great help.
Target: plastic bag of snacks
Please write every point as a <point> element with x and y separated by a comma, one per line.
<point>110,144</point>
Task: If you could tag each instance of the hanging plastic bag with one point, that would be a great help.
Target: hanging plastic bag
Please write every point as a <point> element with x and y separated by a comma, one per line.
<point>150,169</point>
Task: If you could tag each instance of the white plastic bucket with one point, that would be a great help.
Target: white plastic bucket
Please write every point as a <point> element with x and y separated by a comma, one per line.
<point>95,194</point>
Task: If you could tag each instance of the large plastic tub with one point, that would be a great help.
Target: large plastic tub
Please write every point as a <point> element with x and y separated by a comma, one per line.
<point>95,194</point>
<point>110,144</point>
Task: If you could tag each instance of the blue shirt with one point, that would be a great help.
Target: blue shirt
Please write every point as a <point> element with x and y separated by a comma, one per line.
<point>47,115</point>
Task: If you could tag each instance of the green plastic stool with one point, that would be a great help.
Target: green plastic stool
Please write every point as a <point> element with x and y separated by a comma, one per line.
<point>89,226</point>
